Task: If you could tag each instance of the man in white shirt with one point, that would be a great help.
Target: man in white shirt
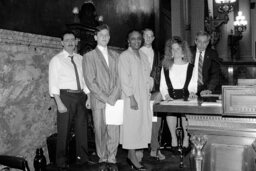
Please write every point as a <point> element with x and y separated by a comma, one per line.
<point>101,76</point>
<point>148,37</point>
<point>67,86</point>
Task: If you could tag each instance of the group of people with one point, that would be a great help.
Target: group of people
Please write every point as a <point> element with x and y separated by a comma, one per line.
<point>102,76</point>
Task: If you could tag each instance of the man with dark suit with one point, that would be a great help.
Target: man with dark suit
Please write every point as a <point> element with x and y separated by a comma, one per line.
<point>67,86</point>
<point>101,76</point>
<point>206,65</point>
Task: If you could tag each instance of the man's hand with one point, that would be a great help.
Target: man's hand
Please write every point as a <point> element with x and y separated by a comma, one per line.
<point>168,98</point>
<point>133,103</point>
<point>205,92</point>
<point>61,108</point>
<point>157,97</point>
<point>111,101</point>
<point>88,102</point>
<point>192,95</point>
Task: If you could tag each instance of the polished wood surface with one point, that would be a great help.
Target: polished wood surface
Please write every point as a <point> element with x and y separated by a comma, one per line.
<point>188,109</point>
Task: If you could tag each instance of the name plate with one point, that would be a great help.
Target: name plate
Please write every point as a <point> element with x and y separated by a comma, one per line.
<point>239,101</point>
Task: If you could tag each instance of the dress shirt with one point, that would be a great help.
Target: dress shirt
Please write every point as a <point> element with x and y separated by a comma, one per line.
<point>62,73</point>
<point>195,71</point>
<point>149,53</point>
<point>177,75</point>
<point>104,51</point>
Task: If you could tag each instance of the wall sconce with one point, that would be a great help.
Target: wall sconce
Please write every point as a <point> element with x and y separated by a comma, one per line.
<point>225,6</point>
<point>75,12</point>
<point>240,23</point>
<point>213,23</point>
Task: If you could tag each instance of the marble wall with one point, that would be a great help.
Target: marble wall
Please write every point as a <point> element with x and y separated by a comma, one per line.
<point>27,113</point>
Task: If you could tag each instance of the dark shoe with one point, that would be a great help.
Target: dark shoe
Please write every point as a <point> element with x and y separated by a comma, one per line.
<point>63,168</point>
<point>103,167</point>
<point>112,167</point>
<point>81,163</point>
<point>142,168</point>
<point>174,147</point>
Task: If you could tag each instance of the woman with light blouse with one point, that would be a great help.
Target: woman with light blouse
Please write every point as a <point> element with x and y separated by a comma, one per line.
<point>177,81</point>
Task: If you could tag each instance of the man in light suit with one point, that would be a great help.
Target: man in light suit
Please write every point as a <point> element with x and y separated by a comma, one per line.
<point>148,36</point>
<point>210,64</point>
<point>101,76</point>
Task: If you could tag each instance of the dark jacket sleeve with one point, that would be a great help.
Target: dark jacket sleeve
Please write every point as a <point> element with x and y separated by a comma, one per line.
<point>214,71</point>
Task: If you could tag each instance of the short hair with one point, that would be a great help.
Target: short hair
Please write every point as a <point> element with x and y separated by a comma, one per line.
<point>168,56</point>
<point>101,27</point>
<point>147,29</point>
<point>67,32</point>
<point>132,31</point>
<point>202,33</point>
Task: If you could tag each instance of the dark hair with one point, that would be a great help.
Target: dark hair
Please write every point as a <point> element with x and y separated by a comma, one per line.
<point>202,33</point>
<point>128,36</point>
<point>147,29</point>
<point>101,27</point>
<point>168,57</point>
<point>132,31</point>
<point>67,32</point>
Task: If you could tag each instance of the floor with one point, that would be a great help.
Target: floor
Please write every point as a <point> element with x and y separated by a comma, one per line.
<point>171,163</point>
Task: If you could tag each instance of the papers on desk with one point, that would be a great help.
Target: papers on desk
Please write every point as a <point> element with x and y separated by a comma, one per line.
<point>190,102</point>
<point>211,95</point>
<point>211,104</point>
<point>114,114</point>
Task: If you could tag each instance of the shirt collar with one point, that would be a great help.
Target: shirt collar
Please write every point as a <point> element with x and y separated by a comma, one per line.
<point>66,54</point>
<point>101,48</point>
<point>198,51</point>
<point>146,47</point>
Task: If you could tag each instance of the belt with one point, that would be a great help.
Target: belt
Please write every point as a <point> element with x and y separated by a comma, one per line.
<point>71,91</point>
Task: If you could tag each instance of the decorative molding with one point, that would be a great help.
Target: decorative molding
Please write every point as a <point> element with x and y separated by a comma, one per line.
<point>29,39</point>
<point>198,142</point>
<point>222,122</point>
<point>244,96</point>
<point>220,118</point>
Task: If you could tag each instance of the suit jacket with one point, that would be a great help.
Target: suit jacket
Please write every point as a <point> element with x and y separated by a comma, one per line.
<point>156,72</point>
<point>210,71</point>
<point>101,79</point>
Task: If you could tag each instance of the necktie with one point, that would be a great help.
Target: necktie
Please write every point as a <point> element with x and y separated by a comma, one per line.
<point>200,68</point>
<point>76,72</point>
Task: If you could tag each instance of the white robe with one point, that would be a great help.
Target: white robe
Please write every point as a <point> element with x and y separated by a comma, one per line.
<point>135,79</point>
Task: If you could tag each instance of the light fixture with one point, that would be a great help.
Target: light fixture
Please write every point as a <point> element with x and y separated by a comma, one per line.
<point>213,23</point>
<point>75,12</point>
<point>240,23</point>
<point>225,6</point>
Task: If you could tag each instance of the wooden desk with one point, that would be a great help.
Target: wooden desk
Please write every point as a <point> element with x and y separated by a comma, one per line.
<point>221,143</point>
<point>195,108</point>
